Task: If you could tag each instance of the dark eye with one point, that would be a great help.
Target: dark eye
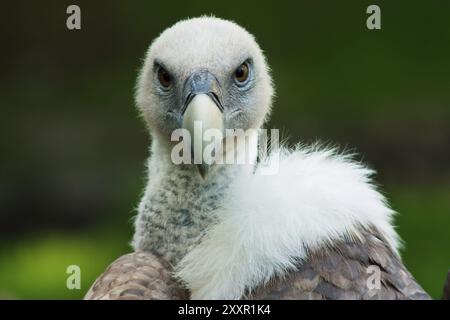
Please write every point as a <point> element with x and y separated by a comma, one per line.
<point>164,78</point>
<point>241,73</point>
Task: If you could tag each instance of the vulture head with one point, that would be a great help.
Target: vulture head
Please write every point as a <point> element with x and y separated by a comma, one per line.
<point>207,70</point>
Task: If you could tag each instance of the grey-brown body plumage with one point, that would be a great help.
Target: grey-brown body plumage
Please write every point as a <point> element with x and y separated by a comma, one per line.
<point>341,272</point>
<point>136,276</point>
<point>336,272</point>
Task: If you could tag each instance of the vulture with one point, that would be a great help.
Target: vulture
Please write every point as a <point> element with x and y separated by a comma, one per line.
<point>315,228</point>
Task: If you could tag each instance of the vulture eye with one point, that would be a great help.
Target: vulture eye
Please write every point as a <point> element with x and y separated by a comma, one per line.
<point>241,73</point>
<point>164,78</point>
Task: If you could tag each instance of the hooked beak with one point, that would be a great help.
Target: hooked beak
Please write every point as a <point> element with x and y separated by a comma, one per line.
<point>202,111</point>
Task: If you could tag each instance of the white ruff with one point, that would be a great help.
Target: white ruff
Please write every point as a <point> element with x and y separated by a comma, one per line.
<point>268,222</point>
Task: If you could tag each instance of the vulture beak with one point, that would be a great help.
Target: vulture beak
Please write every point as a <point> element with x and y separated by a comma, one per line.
<point>202,111</point>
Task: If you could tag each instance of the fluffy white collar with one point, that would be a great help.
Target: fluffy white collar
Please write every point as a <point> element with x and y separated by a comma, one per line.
<point>268,222</point>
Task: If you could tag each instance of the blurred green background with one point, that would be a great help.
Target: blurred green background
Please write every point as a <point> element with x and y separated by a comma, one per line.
<point>73,149</point>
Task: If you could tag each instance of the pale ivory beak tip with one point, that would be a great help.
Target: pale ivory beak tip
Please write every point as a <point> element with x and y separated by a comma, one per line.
<point>202,114</point>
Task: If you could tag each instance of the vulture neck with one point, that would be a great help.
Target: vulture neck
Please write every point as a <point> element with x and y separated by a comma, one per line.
<point>179,206</point>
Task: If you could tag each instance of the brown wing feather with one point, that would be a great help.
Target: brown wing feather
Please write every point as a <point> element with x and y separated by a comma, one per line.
<point>340,272</point>
<point>136,276</point>
<point>335,272</point>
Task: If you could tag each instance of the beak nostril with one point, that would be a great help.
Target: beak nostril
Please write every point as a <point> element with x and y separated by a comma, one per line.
<point>187,101</point>
<point>216,100</point>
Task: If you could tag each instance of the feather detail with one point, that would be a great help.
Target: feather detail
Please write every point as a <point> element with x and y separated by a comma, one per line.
<point>136,276</point>
<point>269,222</point>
